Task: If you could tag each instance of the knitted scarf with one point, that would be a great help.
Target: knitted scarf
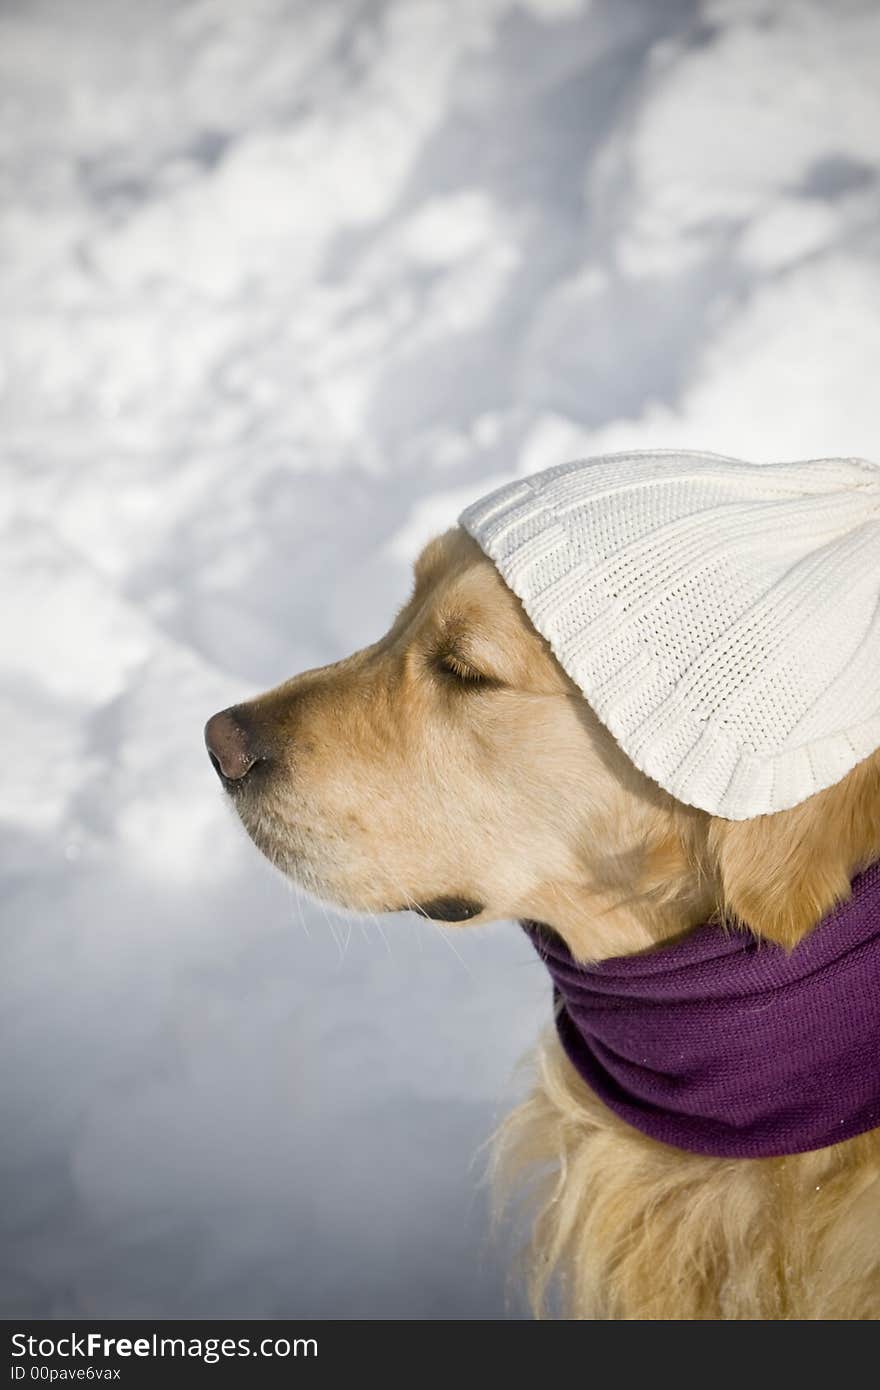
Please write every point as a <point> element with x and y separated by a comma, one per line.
<point>726,1045</point>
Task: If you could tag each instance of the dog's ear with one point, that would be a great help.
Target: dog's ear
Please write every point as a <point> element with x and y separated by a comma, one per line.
<point>781,874</point>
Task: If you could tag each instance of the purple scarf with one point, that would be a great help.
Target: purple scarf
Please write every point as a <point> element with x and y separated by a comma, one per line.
<point>726,1045</point>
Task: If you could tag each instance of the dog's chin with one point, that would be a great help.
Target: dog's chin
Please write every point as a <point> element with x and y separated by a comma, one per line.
<point>296,865</point>
<point>273,838</point>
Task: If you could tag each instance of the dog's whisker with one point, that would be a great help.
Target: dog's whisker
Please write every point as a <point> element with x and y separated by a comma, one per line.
<point>375,918</point>
<point>332,930</point>
<point>361,920</point>
<point>444,935</point>
<point>297,898</point>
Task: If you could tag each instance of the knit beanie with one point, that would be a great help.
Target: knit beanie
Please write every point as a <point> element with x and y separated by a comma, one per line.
<point>722,618</point>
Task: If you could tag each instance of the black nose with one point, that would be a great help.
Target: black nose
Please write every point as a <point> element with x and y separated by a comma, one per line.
<point>229,746</point>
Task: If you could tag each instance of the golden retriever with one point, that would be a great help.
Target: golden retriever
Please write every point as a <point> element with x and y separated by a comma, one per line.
<point>453,768</point>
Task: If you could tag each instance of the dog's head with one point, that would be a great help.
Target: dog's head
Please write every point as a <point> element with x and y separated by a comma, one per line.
<point>454,768</point>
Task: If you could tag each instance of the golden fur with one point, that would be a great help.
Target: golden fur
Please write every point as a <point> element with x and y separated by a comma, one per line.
<point>454,761</point>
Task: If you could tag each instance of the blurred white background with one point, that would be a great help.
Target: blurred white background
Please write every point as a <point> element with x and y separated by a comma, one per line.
<point>283,285</point>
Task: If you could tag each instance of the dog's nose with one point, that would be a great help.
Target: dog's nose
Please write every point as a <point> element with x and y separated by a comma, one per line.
<point>229,746</point>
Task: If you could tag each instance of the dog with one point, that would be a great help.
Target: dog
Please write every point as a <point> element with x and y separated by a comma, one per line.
<point>454,769</point>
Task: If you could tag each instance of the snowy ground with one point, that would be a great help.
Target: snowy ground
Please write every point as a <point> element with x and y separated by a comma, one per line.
<point>282,286</point>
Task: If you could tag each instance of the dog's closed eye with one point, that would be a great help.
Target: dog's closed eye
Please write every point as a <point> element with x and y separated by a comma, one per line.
<point>454,667</point>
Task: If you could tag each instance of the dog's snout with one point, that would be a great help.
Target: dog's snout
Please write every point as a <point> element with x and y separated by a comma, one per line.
<point>230,746</point>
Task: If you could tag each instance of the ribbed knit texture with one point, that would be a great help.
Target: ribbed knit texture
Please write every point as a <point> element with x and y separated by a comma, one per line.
<point>722,618</point>
<point>728,1046</point>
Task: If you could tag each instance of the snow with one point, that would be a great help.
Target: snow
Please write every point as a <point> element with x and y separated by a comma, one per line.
<point>283,287</point>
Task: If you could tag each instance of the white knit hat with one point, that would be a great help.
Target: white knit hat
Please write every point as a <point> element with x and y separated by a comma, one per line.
<point>722,618</point>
